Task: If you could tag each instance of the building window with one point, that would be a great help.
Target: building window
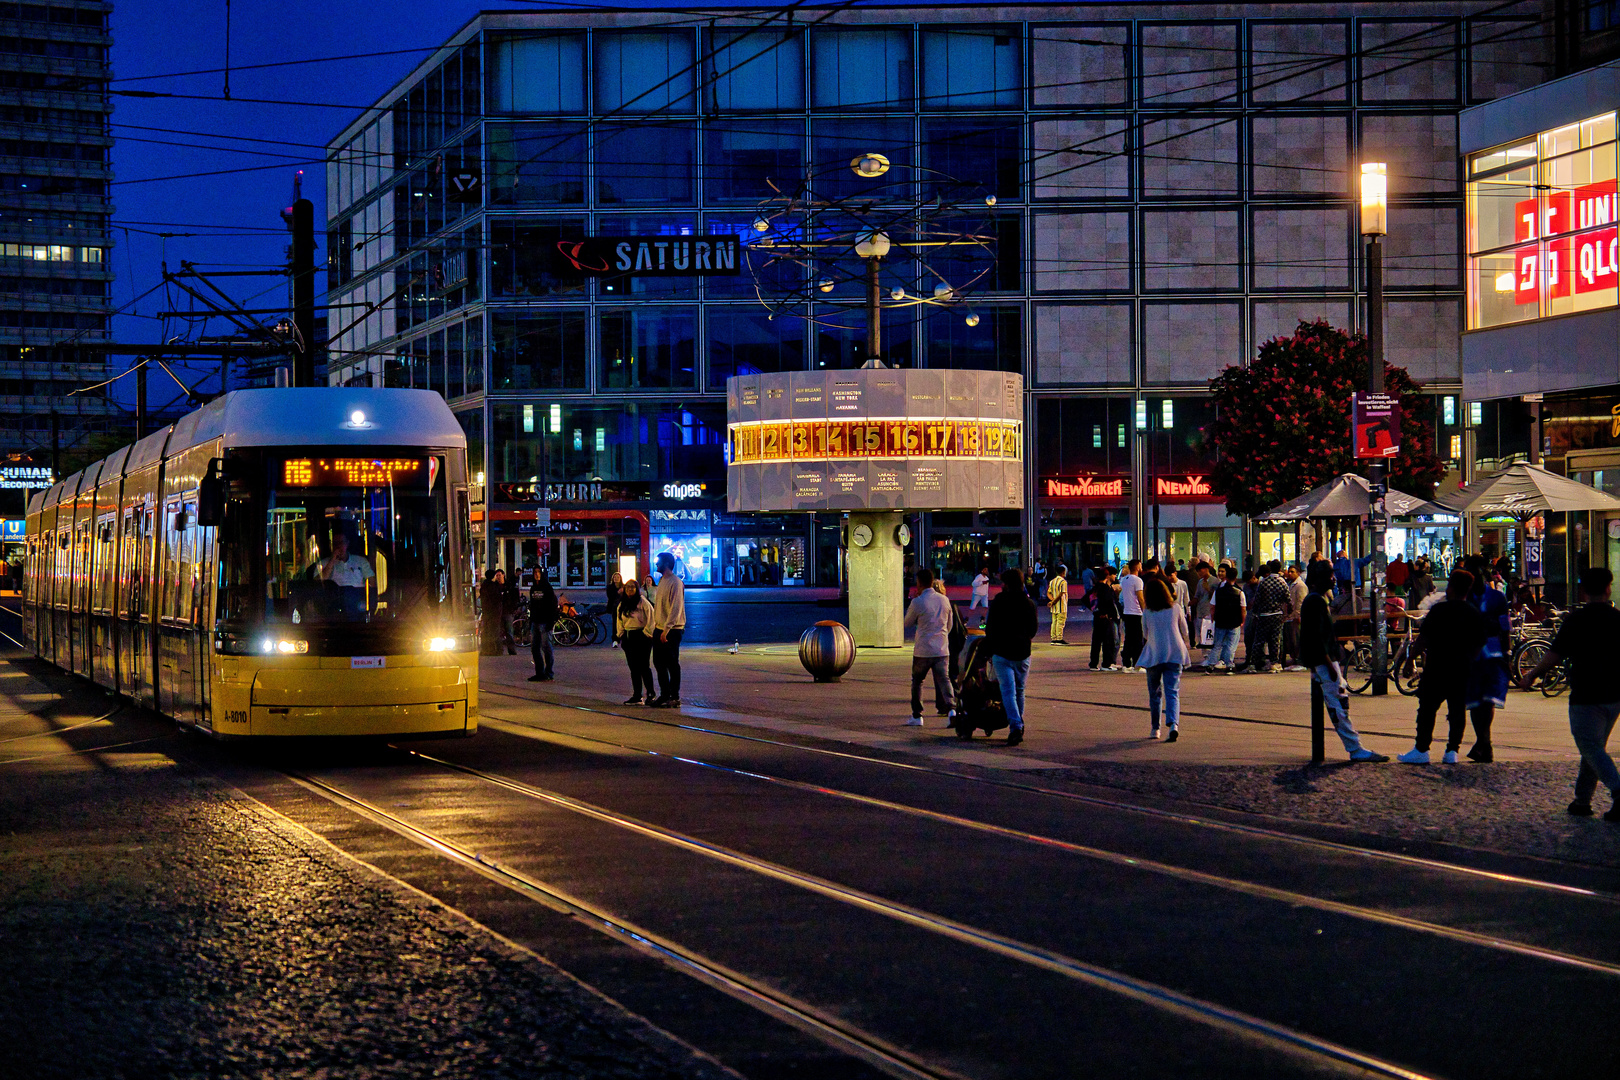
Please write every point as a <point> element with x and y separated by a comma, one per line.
<point>837,141</point>
<point>537,74</point>
<point>544,351</point>
<point>641,71</point>
<point>537,164</point>
<point>743,157</point>
<point>454,361</point>
<point>986,152</point>
<point>972,67</point>
<point>524,259</point>
<point>653,226</point>
<point>841,337</point>
<point>994,343</point>
<point>647,443</point>
<point>763,272</point>
<point>756,71</point>
<point>648,348</point>
<point>745,341</point>
<point>861,69</point>
<point>475,356</point>
<point>644,164</point>
<point>1542,221</point>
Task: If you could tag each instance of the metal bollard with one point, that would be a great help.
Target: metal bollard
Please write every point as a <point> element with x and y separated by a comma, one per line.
<point>1318,723</point>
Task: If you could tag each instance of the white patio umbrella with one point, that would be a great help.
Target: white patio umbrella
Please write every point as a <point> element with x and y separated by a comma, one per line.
<point>1523,491</point>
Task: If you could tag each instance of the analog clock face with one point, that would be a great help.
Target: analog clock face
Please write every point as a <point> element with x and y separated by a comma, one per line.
<point>862,535</point>
<point>902,534</point>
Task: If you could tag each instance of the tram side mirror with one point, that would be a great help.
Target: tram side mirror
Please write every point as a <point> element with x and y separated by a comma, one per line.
<point>211,497</point>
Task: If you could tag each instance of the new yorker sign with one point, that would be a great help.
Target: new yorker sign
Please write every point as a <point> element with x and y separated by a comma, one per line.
<point>651,256</point>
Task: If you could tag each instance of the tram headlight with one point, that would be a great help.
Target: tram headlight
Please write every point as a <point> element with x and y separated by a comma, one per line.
<point>290,648</point>
<point>439,644</point>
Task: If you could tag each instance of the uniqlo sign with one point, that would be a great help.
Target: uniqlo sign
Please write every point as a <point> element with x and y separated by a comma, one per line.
<point>1584,261</point>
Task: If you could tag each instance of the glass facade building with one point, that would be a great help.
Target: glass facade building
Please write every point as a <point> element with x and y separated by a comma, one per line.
<point>1171,189</point>
<point>55,270</point>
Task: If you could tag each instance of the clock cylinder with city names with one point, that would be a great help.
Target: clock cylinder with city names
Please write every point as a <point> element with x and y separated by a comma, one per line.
<point>875,439</point>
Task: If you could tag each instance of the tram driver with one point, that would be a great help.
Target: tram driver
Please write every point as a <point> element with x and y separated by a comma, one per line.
<point>350,572</point>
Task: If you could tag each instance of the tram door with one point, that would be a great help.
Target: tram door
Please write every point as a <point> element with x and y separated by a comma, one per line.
<point>123,628</point>
<point>140,611</point>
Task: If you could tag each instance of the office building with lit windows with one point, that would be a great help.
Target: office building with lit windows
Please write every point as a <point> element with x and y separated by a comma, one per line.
<point>1173,184</point>
<point>55,279</point>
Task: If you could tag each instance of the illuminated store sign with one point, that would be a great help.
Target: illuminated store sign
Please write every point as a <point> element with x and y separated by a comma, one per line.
<point>651,256</point>
<point>1085,487</point>
<point>1182,487</point>
<point>31,477</point>
<point>1544,225</point>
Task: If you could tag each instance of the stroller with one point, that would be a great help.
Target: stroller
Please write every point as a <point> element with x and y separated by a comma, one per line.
<point>979,694</point>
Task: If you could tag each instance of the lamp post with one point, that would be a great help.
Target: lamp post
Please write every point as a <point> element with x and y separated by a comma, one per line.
<point>872,247</point>
<point>1374,224</point>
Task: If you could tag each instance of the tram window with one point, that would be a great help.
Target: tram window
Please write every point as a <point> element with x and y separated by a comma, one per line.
<point>375,549</point>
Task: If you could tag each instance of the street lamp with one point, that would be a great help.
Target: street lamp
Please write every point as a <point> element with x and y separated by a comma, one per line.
<point>1374,224</point>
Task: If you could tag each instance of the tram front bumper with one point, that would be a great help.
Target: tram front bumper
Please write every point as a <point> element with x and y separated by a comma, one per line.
<point>329,696</point>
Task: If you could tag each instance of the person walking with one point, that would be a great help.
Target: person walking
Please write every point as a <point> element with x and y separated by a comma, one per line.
<point>1488,675</point>
<point>930,612</point>
<point>1165,653</point>
<point>979,597</point>
<point>1104,603</point>
<point>1008,629</point>
<point>1449,638</point>
<point>1130,599</point>
<point>1586,641</point>
<point>669,623</point>
<point>632,618</point>
<point>542,617</point>
<point>1229,610</point>
<point>1298,591</point>
<point>1203,610</point>
<point>489,615</point>
<point>1270,609</point>
<point>1057,602</point>
<point>1319,650</point>
<point>957,638</point>
<point>511,603</point>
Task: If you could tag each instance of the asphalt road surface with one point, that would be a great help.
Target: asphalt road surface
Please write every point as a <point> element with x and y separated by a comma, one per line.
<point>796,908</point>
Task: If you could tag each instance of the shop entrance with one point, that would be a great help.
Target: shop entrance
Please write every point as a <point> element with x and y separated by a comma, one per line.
<point>762,560</point>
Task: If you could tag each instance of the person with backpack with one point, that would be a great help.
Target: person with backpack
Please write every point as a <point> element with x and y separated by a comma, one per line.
<point>1008,630</point>
<point>1130,590</point>
<point>1449,639</point>
<point>1057,602</point>
<point>1103,599</point>
<point>1319,651</point>
<point>1229,609</point>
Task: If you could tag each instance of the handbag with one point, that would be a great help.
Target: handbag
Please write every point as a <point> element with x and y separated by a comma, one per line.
<point>1206,633</point>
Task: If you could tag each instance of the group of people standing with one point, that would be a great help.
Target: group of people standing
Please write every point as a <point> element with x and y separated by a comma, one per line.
<point>1009,627</point>
<point>649,632</point>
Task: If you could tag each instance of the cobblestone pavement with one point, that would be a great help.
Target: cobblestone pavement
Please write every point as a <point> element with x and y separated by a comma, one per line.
<point>157,925</point>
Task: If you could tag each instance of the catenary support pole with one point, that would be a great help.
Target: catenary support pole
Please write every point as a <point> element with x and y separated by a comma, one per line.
<point>1376,474</point>
<point>303,282</point>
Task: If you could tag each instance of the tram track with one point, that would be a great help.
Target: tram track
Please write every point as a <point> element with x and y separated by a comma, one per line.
<point>1158,813</point>
<point>879,1052</point>
<point>1138,863</point>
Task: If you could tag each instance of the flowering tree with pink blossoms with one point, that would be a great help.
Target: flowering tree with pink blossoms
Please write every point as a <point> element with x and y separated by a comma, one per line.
<point>1282,423</point>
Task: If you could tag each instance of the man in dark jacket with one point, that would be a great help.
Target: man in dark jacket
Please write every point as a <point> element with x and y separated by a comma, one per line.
<point>1103,599</point>
<point>1488,674</point>
<point>1452,635</point>
<point>1319,651</point>
<point>542,617</point>
<point>1008,630</point>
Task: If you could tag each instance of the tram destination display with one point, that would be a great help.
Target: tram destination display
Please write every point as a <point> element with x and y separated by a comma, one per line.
<point>353,472</point>
<point>875,438</point>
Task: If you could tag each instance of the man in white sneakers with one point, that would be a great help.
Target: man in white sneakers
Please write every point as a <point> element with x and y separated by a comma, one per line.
<point>931,614</point>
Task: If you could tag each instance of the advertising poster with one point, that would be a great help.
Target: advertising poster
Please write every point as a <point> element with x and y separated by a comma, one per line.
<point>1375,423</point>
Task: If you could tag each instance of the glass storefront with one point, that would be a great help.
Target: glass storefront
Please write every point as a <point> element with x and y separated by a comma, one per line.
<point>1542,225</point>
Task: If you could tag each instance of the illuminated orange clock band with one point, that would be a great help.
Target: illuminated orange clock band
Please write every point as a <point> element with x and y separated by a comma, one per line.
<point>349,472</point>
<point>816,440</point>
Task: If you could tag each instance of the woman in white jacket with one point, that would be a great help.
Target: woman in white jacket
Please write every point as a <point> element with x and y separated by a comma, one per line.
<point>1166,652</point>
<point>632,617</point>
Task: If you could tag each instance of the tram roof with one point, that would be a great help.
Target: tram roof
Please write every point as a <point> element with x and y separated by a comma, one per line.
<point>321,416</point>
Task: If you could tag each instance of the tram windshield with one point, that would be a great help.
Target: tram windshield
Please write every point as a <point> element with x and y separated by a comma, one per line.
<point>359,540</point>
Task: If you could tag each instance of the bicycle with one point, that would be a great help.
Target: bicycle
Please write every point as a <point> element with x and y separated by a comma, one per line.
<point>1358,666</point>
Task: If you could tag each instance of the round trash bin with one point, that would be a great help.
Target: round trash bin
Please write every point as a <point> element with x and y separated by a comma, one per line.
<point>827,650</point>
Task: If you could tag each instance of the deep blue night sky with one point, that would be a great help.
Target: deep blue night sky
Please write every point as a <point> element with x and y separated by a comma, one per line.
<point>161,39</point>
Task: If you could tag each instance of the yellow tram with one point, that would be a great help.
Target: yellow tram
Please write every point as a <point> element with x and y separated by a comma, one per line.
<point>286,562</point>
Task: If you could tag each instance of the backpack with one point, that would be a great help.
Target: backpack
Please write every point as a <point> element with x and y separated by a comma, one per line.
<point>1228,606</point>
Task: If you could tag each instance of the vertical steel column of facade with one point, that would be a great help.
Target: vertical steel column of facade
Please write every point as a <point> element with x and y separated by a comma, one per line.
<point>1138,480</point>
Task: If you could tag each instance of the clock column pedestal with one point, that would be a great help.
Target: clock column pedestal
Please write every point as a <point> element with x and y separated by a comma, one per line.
<point>877,582</point>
